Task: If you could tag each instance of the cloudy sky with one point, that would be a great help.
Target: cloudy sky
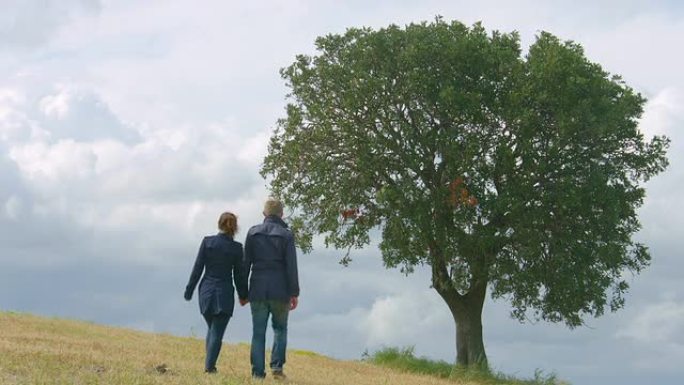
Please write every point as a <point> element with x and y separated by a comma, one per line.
<point>127,126</point>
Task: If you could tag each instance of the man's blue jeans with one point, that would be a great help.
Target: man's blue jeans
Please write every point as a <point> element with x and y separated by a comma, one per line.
<point>216,324</point>
<point>278,310</point>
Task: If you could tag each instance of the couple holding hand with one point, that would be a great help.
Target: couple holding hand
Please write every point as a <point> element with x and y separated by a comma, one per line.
<point>270,256</point>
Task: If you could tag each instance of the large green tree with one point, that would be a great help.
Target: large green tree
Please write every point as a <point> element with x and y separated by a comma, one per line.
<point>516,173</point>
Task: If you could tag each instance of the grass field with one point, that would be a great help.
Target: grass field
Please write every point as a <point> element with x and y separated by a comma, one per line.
<point>35,350</point>
<point>405,360</point>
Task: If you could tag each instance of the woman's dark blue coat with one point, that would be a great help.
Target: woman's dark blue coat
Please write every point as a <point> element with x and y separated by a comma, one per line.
<point>221,259</point>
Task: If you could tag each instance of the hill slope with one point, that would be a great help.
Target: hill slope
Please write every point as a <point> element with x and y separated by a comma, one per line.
<point>35,350</point>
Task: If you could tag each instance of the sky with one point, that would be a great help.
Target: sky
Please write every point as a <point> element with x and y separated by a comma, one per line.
<point>127,127</point>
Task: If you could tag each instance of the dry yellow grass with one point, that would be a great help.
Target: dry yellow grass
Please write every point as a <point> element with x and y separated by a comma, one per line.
<point>35,350</point>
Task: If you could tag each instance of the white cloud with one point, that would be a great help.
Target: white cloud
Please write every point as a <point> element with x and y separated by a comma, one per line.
<point>655,335</point>
<point>30,23</point>
<point>56,106</point>
<point>78,113</point>
<point>663,112</point>
<point>640,49</point>
<point>62,162</point>
<point>15,125</point>
<point>13,207</point>
<point>255,149</point>
<point>8,95</point>
<point>664,115</point>
<point>657,323</point>
<point>72,163</point>
<point>406,319</point>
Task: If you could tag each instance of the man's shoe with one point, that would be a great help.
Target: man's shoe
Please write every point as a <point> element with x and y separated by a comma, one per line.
<point>279,375</point>
<point>210,370</point>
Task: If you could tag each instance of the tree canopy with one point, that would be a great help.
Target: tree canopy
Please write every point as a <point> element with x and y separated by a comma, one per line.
<point>521,173</point>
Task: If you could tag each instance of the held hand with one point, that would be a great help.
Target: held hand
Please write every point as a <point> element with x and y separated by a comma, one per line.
<point>244,302</point>
<point>187,296</point>
<point>294,301</point>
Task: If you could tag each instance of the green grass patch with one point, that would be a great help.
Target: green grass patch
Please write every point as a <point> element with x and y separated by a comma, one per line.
<point>306,353</point>
<point>405,359</point>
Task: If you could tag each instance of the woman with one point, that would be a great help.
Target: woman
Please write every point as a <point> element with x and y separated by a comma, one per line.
<point>220,257</point>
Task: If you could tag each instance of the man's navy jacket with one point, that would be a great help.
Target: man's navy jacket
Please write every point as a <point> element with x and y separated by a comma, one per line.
<point>221,259</point>
<point>271,256</point>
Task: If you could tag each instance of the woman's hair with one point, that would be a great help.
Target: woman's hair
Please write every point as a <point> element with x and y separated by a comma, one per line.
<point>227,223</point>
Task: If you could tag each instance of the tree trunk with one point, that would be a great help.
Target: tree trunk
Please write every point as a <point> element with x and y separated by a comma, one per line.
<point>465,308</point>
<point>467,313</point>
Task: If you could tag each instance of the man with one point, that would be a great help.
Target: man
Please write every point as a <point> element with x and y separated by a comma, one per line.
<point>271,257</point>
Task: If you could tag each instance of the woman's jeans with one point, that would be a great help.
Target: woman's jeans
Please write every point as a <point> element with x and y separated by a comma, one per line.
<point>260,312</point>
<point>217,326</point>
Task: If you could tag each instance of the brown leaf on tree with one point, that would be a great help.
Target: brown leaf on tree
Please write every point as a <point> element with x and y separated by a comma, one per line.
<point>350,213</point>
<point>459,194</point>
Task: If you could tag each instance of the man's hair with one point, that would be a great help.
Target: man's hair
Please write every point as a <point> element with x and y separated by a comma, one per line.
<point>227,223</point>
<point>273,206</point>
